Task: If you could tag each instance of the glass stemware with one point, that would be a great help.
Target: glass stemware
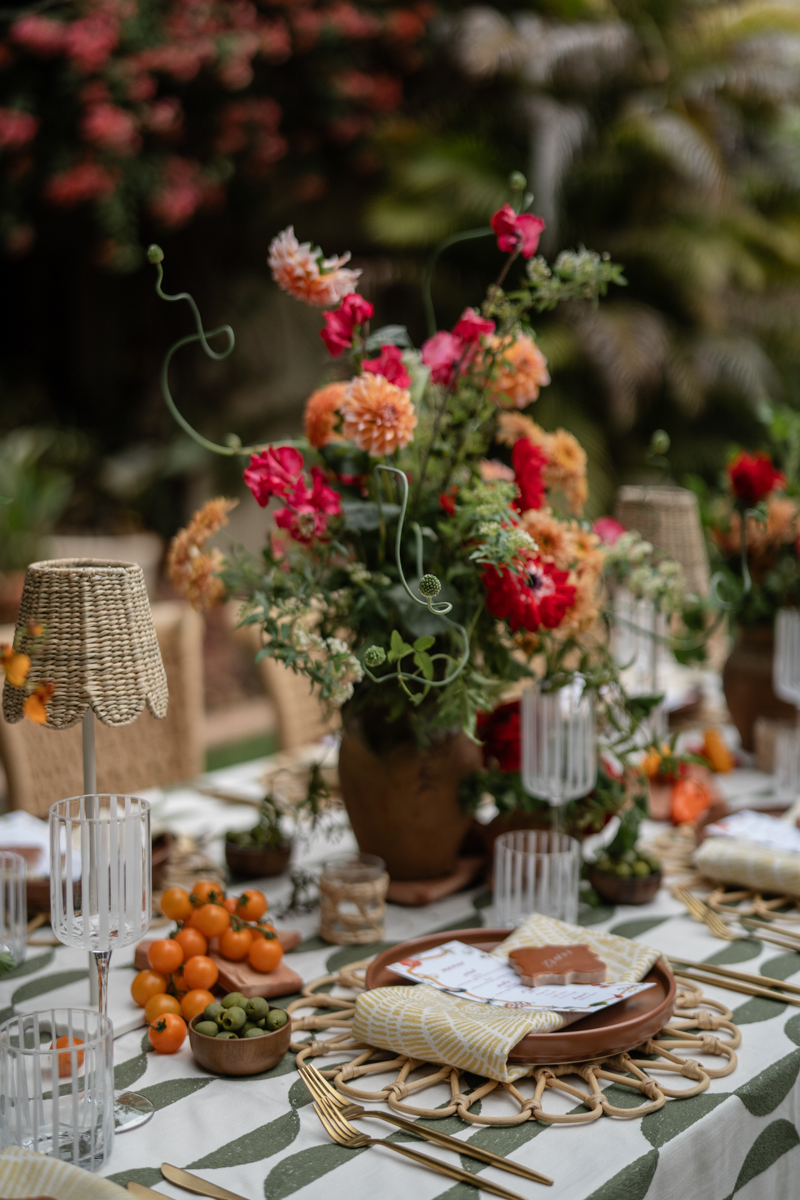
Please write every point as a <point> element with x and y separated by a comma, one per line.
<point>559,752</point>
<point>786,683</point>
<point>103,842</point>
<point>13,906</point>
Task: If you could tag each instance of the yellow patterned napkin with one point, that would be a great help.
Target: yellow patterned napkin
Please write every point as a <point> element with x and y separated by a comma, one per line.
<point>435,1026</point>
<point>24,1174</point>
<point>728,860</point>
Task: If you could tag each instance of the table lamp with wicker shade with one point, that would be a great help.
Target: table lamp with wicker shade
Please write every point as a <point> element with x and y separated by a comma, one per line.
<point>100,649</point>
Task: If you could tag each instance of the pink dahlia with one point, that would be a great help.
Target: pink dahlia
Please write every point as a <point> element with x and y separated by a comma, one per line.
<point>303,272</point>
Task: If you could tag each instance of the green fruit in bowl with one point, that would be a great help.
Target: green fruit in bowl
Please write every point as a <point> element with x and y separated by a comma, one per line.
<point>624,870</point>
<point>256,1008</point>
<point>642,868</point>
<point>233,1018</point>
<point>213,1012</point>
<point>254,1031</point>
<point>226,1036</point>
<point>234,1000</point>
<point>207,1028</point>
<point>277,1019</point>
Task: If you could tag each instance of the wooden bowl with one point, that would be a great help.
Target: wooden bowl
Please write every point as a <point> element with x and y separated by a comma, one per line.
<point>257,862</point>
<point>239,1056</point>
<point>624,889</point>
<point>611,1031</point>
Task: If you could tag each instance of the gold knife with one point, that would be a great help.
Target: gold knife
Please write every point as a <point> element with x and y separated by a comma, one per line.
<point>193,1183</point>
<point>144,1193</point>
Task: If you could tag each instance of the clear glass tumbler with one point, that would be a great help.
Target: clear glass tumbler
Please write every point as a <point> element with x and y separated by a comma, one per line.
<point>110,838</point>
<point>535,872</point>
<point>559,744</point>
<point>13,905</point>
<point>786,656</point>
<point>787,765</point>
<point>57,1085</point>
<point>352,899</point>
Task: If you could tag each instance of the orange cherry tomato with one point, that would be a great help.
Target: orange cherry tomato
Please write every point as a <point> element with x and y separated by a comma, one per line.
<point>229,904</point>
<point>235,944</point>
<point>65,1059</point>
<point>167,1033</point>
<point>200,972</point>
<point>212,920</point>
<point>177,984</point>
<point>165,955</point>
<point>158,1005</point>
<point>195,1002</point>
<point>251,905</point>
<point>192,941</point>
<point>147,984</point>
<point>176,904</point>
<point>689,800</point>
<point>265,954</point>
<point>207,891</point>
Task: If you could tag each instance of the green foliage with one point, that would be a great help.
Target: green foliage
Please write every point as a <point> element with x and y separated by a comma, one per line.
<point>35,495</point>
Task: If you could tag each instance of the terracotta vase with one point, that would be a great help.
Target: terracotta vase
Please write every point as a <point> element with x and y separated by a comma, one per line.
<point>747,683</point>
<point>403,804</point>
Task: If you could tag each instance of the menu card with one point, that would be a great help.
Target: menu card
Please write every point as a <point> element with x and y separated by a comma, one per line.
<point>758,828</point>
<point>473,974</point>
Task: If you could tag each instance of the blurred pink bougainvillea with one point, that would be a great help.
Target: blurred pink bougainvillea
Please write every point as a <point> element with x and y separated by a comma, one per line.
<point>150,108</point>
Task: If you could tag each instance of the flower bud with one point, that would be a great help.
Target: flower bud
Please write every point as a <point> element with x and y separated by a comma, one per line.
<point>375,656</point>
<point>429,586</point>
<point>517,181</point>
<point>660,442</point>
<point>155,254</point>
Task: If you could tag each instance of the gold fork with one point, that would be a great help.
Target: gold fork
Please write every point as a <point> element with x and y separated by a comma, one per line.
<point>321,1090</point>
<point>347,1135</point>
<point>707,915</point>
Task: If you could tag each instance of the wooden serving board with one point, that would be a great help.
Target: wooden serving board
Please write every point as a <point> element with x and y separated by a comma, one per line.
<point>612,1031</point>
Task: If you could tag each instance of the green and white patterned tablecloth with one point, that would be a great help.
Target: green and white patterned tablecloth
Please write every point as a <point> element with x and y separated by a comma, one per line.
<point>260,1137</point>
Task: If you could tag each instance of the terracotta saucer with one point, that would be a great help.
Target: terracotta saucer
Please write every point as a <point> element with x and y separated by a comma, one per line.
<point>618,1028</point>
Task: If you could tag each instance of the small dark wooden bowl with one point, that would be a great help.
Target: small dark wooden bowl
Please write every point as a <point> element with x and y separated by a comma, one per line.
<point>257,862</point>
<point>239,1056</point>
<point>624,889</point>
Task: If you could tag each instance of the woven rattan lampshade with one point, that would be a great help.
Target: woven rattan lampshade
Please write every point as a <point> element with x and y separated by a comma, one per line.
<point>100,650</point>
<point>669,517</point>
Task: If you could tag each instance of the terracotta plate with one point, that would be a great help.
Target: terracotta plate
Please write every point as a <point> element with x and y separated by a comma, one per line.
<point>612,1031</point>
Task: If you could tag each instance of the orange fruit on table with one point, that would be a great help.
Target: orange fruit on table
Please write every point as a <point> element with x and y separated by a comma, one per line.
<point>65,1059</point>
<point>235,944</point>
<point>165,955</point>
<point>176,904</point>
<point>158,1005</point>
<point>147,984</point>
<point>212,920</point>
<point>192,941</point>
<point>195,1001</point>
<point>265,954</point>
<point>690,800</point>
<point>177,985</point>
<point>167,1034</point>
<point>251,905</point>
<point>229,904</point>
<point>207,891</point>
<point>200,972</point>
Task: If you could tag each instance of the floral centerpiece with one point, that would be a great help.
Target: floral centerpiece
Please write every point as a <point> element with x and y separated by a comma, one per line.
<point>427,551</point>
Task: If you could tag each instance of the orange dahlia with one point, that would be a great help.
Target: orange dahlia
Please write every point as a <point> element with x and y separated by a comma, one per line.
<point>520,371</point>
<point>378,416</point>
<point>300,269</point>
<point>193,572</point>
<point>320,415</point>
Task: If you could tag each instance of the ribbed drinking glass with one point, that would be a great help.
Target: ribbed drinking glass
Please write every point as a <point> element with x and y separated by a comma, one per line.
<point>786,656</point>
<point>559,751</point>
<point>105,841</point>
<point>13,905</point>
<point>535,872</point>
<point>57,1085</point>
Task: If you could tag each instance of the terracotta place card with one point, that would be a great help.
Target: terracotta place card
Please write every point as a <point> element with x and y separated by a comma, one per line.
<point>540,966</point>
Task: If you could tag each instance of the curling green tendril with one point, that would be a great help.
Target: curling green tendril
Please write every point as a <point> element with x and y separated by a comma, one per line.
<point>439,609</point>
<point>234,446</point>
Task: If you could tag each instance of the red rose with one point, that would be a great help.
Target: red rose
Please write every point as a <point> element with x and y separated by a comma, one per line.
<point>273,472</point>
<point>753,477</point>
<point>539,597</point>
<point>447,500</point>
<point>390,365</point>
<point>341,323</point>
<point>529,461</point>
<point>500,733</point>
<point>471,326</point>
<point>609,530</point>
<point>517,232</point>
